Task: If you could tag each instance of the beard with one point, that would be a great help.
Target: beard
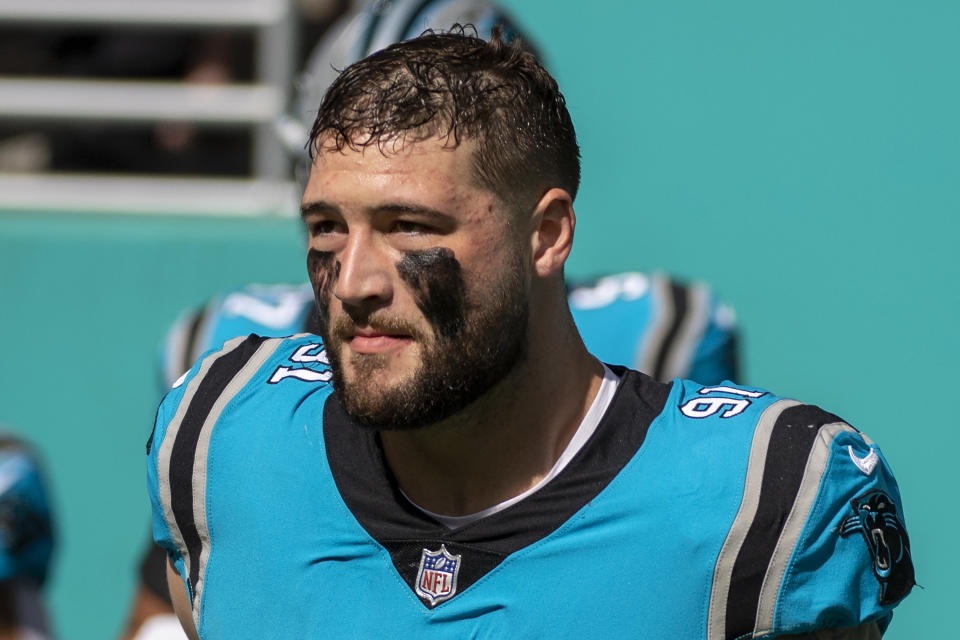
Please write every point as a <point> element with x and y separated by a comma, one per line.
<point>467,350</point>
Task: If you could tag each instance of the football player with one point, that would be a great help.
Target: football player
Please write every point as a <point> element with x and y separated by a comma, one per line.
<point>450,460</point>
<point>26,542</point>
<point>651,322</point>
<point>647,321</point>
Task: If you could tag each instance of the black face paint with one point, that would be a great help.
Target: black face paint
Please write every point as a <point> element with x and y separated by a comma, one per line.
<point>473,347</point>
<point>436,279</point>
<point>323,271</point>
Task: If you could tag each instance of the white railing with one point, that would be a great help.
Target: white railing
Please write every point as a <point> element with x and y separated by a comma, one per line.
<point>129,101</point>
<point>90,193</point>
<point>210,13</point>
<point>257,105</point>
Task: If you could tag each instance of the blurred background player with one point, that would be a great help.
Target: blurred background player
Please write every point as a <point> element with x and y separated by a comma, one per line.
<point>649,322</point>
<point>26,542</point>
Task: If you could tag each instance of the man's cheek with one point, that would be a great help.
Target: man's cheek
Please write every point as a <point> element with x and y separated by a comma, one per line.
<point>436,278</point>
<point>323,270</point>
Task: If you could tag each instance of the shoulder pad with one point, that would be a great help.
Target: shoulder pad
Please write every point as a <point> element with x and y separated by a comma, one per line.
<point>268,310</point>
<point>203,402</point>
<point>657,325</point>
<point>790,564</point>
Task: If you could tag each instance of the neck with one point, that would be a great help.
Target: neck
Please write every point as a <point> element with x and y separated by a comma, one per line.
<point>509,438</point>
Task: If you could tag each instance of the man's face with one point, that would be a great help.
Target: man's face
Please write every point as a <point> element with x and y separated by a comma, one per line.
<point>420,281</point>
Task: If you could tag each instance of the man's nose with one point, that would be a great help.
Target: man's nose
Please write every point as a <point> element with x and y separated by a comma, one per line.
<point>364,272</point>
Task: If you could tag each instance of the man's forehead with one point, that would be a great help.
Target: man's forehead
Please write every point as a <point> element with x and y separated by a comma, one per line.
<point>427,161</point>
<point>427,173</point>
<point>399,146</point>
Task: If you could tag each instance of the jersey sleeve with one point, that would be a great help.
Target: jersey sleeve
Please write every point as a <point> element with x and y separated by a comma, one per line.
<point>179,347</point>
<point>264,309</point>
<point>818,541</point>
<point>190,419</point>
<point>658,325</point>
<point>160,504</point>
<point>172,449</point>
<point>716,356</point>
<point>849,561</point>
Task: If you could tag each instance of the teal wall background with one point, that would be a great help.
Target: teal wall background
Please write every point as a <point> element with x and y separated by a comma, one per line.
<point>801,157</point>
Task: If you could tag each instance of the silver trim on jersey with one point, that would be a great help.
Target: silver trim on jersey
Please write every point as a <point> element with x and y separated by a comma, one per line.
<point>723,570</point>
<point>407,19</point>
<point>661,317</point>
<point>239,381</point>
<point>391,21</point>
<point>693,325</point>
<point>200,340</point>
<point>166,448</point>
<point>174,348</point>
<point>187,341</point>
<point>199,478</point>
<point>809,487</point>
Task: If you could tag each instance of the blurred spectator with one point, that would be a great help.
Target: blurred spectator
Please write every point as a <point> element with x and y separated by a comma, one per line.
<point>201,56</point>
<point>26,542</point>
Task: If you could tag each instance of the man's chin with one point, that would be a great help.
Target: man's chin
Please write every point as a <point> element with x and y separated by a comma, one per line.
<point>379,372</point>
<point>372,395</point>
<point>386,414</point>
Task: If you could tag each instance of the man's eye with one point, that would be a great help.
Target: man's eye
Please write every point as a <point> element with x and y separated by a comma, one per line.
<point>323,227</point>
<point>407,226</point>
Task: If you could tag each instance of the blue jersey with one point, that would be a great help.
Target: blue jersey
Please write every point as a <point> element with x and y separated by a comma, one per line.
<point>26,518</point>
<point>650,323</point>
<point>693,512</point>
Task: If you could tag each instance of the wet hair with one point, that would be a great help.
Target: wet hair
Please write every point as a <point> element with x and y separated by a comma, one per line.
<point>457,86</point>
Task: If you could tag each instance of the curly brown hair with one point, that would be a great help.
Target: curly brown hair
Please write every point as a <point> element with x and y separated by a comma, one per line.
<point>458,86</point>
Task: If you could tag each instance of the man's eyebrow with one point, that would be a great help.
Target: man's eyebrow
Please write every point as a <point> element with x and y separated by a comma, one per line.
<point>317,207</point>
<point>398,208</point>
<point>411,209</point>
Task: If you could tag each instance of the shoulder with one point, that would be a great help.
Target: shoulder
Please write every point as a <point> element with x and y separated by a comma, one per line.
<point>376,25</point>
<point>238,399</point>
<point>793,447</point>
<point>268,310</point>
<point>819,539</point>
<point>657,324</point>
<point>242,368</point>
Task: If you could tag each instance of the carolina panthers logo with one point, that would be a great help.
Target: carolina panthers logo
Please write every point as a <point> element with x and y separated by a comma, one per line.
<point>875,518</point>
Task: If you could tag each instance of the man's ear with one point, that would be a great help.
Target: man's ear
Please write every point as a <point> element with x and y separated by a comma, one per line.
<point>552,237</point>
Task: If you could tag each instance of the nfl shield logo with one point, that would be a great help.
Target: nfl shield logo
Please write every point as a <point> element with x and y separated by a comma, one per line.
<point>437,576</point>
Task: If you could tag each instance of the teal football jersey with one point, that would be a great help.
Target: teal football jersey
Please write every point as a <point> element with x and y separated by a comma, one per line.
<point>693,512</point>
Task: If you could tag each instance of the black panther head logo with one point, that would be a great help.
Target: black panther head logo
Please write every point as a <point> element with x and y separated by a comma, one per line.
<point>875,518</point>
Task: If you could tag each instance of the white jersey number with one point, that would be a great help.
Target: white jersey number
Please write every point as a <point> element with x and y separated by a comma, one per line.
<point>308,353</point>
<point>709,405</point>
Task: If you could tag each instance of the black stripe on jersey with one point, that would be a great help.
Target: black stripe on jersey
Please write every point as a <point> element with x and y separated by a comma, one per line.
<point>189,353</point>
<point>731,355</point>
<point>370,33</point>
<point>156,414</point>
<point>370,492</point>
<point>182,455</point>
<point>414,16</point>
<point>791,442</point>
<point>678,297</point>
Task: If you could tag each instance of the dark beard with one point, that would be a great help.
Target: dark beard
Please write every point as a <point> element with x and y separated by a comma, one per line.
<point>469,351</point>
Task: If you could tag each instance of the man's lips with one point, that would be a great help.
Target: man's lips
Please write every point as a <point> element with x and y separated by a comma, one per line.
<point>377,342</point>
